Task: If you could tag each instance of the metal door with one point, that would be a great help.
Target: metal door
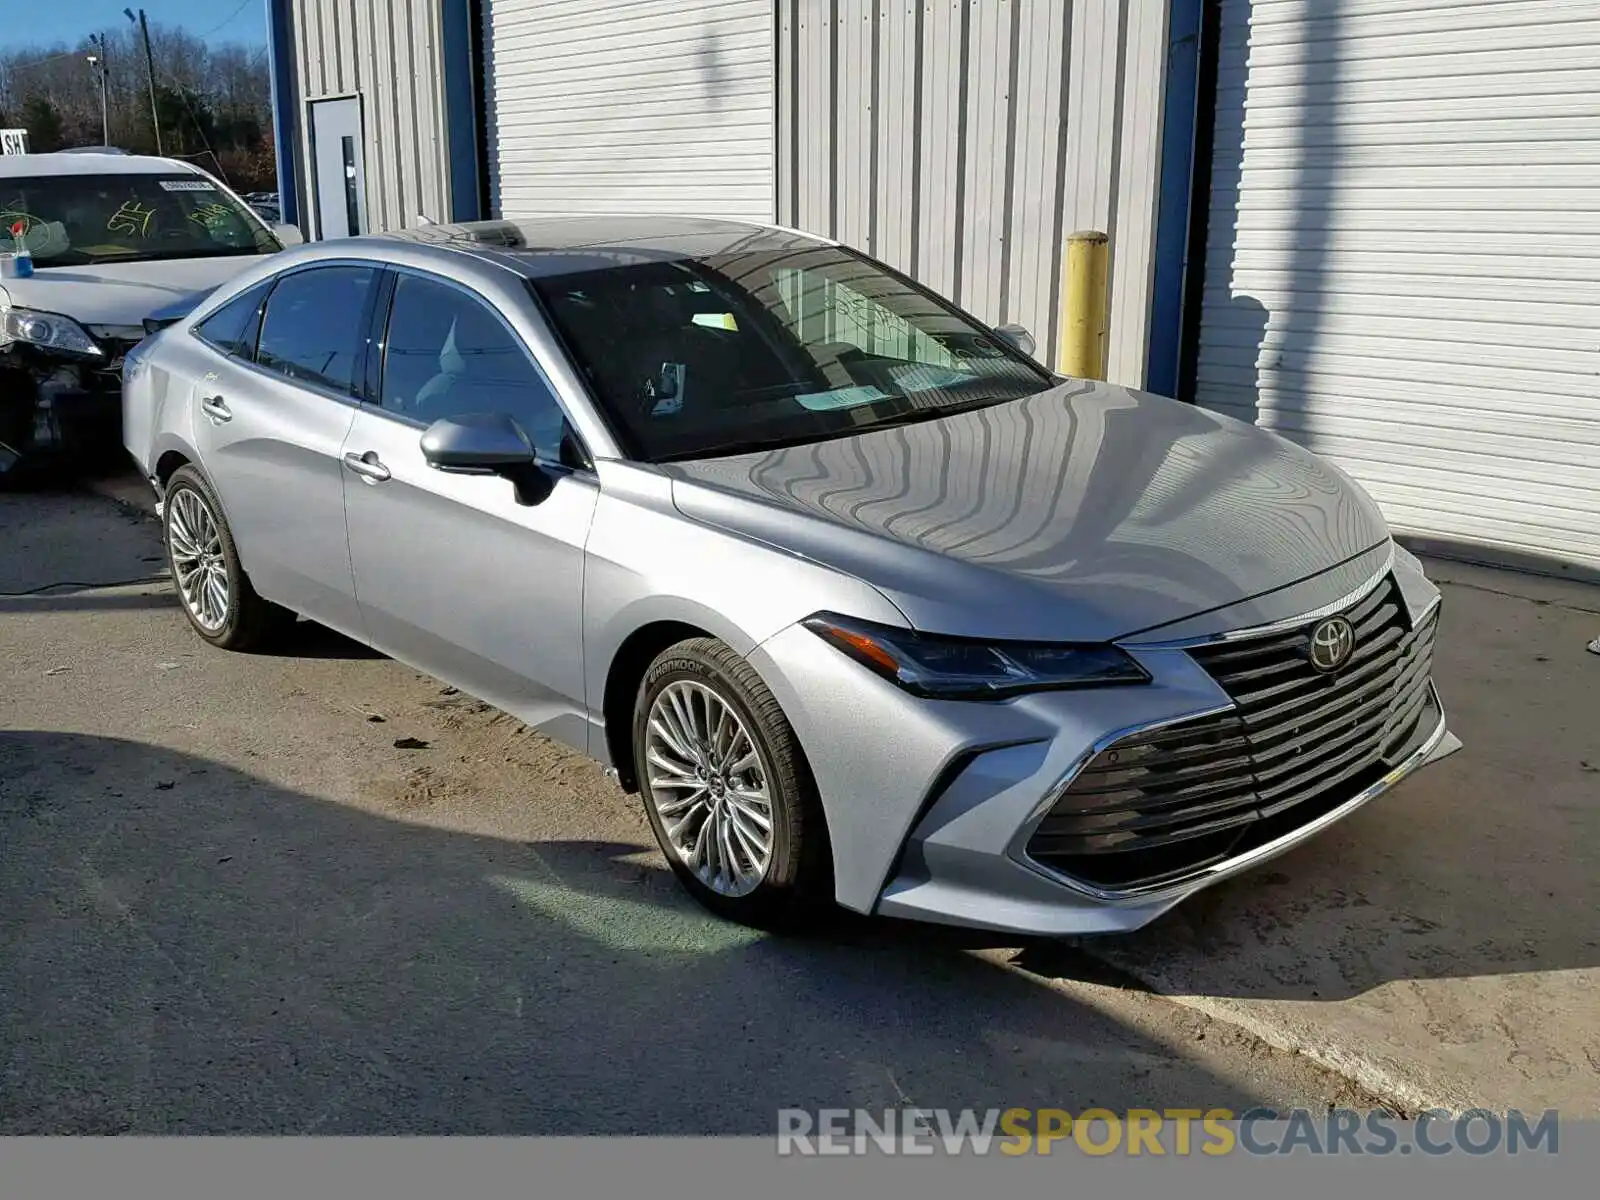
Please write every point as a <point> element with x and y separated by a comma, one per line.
<point>340,167</point>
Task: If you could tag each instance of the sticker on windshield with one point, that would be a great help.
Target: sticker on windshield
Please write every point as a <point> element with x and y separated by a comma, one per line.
<point>187,185</point>
<point>846,397</point>
<point>925,377</point>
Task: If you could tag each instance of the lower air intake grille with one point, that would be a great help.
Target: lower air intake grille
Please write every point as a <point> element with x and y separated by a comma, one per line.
<point>1164,804</point>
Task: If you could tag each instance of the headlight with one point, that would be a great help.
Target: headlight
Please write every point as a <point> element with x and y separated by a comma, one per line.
<point>45,330</point>
<point>945,668</point>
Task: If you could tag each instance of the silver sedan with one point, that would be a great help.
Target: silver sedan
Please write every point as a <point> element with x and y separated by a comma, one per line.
<point>867,605</point>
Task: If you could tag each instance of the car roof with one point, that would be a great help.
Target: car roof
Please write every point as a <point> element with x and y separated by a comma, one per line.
<point>541,246</point>
<point>87,162</point>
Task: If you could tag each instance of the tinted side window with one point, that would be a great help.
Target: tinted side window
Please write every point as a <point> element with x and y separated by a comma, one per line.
<point>312,329</point>
<point>448,354</point>
<point>233,327</point>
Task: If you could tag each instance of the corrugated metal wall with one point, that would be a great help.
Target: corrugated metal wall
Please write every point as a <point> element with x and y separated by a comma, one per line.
<point>655,106</point>
<point>962,140</point>
<point>1403,258</point>
<point>386,52</point>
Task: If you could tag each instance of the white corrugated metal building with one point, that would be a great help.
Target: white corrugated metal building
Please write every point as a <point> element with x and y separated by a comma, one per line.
<point>1373,225</point>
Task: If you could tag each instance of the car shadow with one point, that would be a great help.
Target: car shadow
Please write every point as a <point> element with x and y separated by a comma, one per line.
<point>308,639</point>
<point>190,949</point>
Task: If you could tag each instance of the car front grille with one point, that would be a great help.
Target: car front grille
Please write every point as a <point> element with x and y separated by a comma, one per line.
<point>1164,804</point>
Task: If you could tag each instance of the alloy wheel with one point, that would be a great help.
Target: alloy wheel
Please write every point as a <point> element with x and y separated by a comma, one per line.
<point>709,786</point>
<point>194,539</point>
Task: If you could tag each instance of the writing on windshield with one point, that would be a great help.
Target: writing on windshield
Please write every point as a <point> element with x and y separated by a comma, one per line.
<point>77,219</point>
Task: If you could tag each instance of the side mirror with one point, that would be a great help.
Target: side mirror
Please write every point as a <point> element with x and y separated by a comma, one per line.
<point>289,235</point>
<point>1018,338</point>
<point>486,444</point>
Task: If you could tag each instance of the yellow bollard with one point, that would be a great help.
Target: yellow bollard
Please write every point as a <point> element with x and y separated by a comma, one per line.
<point>1083,307</point>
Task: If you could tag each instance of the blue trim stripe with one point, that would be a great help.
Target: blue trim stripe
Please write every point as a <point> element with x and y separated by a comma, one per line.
<point>1172,213</point>
<point>461,123</point>
<point>280,65</point>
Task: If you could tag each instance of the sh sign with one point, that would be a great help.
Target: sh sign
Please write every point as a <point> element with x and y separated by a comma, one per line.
<point>13,141</point>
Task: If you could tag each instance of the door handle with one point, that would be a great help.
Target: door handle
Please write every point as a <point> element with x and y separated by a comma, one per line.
<point>216,408</point>
<point>369,466</point>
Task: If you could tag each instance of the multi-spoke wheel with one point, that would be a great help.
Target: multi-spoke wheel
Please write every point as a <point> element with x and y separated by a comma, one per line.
<point>709,787</point>
<point>195,546</point>
<point>726,788</point>
<point>216,594</point>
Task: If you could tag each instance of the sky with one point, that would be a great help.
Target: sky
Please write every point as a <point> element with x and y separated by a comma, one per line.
<point>68,20</point>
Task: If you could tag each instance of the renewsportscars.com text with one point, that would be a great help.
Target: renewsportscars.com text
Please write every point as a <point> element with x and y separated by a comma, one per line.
<point>1173,1131</point>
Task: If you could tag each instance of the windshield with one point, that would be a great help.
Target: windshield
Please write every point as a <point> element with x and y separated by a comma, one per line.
<point>71,220</point>
<point>740,352</point>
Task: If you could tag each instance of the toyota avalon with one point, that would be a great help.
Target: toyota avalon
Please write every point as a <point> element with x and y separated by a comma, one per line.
<point>868,606</point>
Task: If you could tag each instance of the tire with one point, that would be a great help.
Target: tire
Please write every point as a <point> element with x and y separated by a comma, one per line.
<point>192,519</point>
<point>793,888</point>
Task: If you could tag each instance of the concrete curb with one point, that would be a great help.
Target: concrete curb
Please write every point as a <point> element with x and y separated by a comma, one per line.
<point>1394,1088</point>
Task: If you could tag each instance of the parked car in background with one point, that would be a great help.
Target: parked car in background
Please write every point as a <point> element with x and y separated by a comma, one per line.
<point>111,236</point>
<point>266,206</point>
<point>867,605</point>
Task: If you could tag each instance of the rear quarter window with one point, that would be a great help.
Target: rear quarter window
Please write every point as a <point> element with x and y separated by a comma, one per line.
<point>311,329</point>
<point>234,327</point>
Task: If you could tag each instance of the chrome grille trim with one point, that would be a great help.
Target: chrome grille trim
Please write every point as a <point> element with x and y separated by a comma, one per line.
<point>1376,580</point>
<point>1437,744</point>
<point>1153,808</point>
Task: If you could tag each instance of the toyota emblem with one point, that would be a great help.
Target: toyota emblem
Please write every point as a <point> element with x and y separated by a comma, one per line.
<point>1332,643</point>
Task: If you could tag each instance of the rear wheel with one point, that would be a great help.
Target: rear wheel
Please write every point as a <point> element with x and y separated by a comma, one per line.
<point>727,789</point>
<point>215,592</point>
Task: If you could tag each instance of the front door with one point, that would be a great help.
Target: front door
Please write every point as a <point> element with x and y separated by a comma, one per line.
<point>452,573</point>
<point>271,420</point>
<point>340,167</point>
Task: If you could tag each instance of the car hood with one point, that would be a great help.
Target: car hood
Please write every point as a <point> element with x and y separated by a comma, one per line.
<point>1085,512</point>
<point>113,299</point>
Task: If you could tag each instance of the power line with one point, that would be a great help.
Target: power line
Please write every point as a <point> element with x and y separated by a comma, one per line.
<point>39,62</point>
<point>229,21</point>
<point>176,85</point>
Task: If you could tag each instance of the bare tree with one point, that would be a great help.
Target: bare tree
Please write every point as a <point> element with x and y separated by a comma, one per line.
<point>216,100</point>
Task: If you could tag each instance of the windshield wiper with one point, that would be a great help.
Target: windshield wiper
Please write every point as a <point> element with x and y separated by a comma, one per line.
<point>208,252</point>
<point>752,445</point>
<point>912,415</point>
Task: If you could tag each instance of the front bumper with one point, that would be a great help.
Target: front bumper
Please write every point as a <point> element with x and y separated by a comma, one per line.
<point>933,821</point>
<point>56,412</point>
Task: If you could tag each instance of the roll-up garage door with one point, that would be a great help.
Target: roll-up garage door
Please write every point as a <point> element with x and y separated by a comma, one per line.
<point>1403,256</point>
<point>662,106</point>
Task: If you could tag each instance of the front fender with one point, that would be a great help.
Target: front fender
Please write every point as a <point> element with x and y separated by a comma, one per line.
<point>647,563</point>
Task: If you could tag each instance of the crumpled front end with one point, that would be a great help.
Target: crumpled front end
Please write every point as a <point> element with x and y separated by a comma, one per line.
<point>59,414</point>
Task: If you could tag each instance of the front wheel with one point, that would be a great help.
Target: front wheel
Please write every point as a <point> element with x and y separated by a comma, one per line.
<point>727,789</point>
<point>216,594</point>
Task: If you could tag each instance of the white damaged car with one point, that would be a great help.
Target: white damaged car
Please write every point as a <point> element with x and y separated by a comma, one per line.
<point>108,239</point>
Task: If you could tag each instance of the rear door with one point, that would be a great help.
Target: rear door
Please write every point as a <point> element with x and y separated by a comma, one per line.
<point>453,574</point>
<point>271,423</point>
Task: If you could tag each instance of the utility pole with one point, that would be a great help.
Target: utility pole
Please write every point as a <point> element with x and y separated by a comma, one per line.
<point>97,63</point>
<point>150,65</point>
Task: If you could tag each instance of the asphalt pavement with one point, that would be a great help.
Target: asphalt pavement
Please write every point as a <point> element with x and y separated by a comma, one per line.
<point>316,891</point>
